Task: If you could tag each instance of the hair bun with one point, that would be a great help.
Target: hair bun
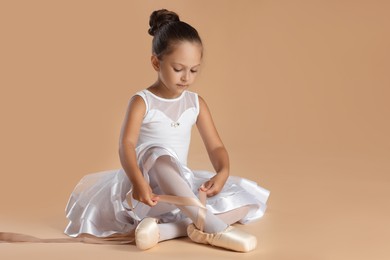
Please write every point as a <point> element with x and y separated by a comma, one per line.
<point>159,18</point>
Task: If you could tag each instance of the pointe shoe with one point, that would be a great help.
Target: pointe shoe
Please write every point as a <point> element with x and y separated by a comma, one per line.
<point>147,234</point>
<point>232,238</point>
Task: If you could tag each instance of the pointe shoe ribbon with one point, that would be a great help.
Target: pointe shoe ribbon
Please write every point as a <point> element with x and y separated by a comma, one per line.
<point>187,201</point>
<point>183,201</point>
<point>10,237</point>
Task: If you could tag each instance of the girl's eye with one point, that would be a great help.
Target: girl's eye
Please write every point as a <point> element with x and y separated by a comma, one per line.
<point>178,70</point>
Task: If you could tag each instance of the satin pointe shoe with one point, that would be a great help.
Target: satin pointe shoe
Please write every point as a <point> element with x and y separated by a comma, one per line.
<point>232,238</point>
<point>147,234</point>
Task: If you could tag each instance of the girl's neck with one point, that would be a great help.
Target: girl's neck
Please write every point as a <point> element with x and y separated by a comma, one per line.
<point>160,90</point>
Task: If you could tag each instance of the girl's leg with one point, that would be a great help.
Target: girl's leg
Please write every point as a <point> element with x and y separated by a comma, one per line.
<point>174,229</point>
<point>166,175</point>
<point>233,216</point>
<point>179,228</point>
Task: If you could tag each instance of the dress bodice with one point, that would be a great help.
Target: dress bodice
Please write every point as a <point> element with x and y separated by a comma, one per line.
<point>168,122</point>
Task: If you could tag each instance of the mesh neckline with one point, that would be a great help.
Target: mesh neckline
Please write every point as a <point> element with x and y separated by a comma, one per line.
<point>167,99</point>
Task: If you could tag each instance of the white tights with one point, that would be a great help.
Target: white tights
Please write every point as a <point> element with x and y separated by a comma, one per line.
<point>164,176</point>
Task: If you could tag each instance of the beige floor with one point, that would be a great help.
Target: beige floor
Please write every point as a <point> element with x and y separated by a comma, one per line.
<point>299,91</point>
<point>320,208</point>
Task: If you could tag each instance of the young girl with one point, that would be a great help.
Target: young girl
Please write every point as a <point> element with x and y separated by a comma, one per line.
<point>153,148</point>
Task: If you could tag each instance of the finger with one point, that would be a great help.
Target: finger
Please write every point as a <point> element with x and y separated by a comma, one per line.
<point>152,202</point>
<point>206,186</point>
<point>202,188</point>
<point>211,192</point>
<point>209,184</point>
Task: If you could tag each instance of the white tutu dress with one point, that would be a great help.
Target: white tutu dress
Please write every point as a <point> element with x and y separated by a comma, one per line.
<point>100,203</point>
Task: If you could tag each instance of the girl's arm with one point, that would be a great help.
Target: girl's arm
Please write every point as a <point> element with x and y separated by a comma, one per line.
<point>127,143</point>
<point>215,149</point>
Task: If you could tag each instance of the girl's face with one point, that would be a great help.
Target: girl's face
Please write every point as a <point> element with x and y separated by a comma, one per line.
<point>178,70</point>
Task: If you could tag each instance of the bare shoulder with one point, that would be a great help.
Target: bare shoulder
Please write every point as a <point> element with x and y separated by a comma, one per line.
<point>136,104</point>
<point>204,112</point>
<point>137,100</point>
<point>202,104</point>
<point>201,99</point>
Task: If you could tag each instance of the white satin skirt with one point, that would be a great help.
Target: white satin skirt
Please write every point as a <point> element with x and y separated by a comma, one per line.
<point>101,203</point>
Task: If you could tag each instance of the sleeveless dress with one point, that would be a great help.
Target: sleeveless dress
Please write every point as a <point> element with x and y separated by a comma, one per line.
<point>101,203</point>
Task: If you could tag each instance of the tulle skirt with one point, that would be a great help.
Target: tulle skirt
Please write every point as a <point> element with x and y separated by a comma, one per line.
<point>101,203</point>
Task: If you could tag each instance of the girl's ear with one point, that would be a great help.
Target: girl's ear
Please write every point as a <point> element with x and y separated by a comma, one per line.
<point>155,62</point>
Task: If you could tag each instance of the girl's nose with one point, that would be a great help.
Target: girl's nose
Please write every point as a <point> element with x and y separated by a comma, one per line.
<point>185,77</point>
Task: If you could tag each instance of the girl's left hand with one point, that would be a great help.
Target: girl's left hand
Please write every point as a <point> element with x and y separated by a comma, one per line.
<point>214,185</point>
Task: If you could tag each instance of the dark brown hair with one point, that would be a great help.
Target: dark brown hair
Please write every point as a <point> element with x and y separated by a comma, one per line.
<point>167,30</point>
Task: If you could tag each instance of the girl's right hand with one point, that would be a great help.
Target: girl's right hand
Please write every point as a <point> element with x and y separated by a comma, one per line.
<point>143,193</point>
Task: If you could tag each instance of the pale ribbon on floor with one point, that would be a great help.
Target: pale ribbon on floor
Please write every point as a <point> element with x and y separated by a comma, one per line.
<point>10,237</point>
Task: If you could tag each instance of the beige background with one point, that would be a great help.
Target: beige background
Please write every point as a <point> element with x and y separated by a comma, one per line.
<point>299,91</point>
